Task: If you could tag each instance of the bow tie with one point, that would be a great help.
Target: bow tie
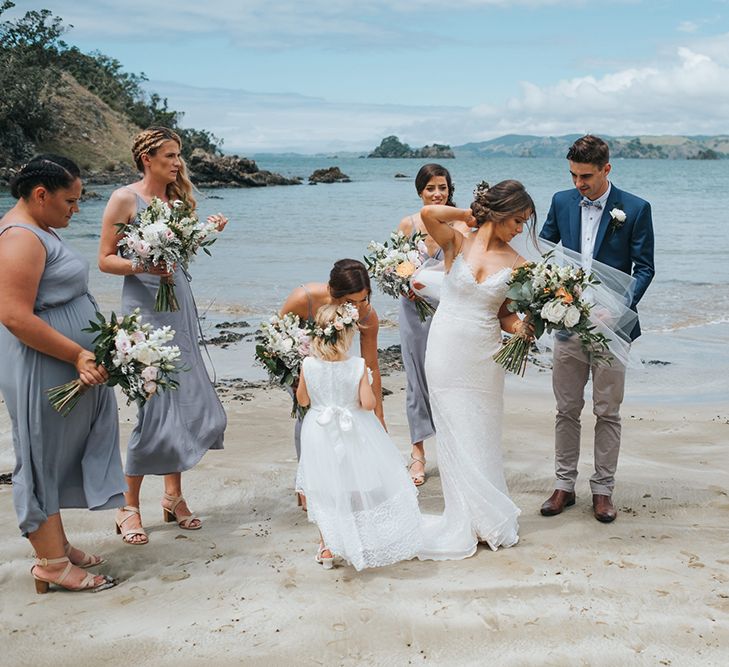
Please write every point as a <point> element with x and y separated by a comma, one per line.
<point>587,203</point>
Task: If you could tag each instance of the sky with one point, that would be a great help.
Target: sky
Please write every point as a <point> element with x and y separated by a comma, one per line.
<point>339,75</point>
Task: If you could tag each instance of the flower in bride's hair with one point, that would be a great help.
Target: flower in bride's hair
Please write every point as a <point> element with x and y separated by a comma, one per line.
<point>481,189</point>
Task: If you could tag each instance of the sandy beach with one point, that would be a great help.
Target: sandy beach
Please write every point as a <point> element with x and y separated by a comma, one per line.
<point>650,589</point>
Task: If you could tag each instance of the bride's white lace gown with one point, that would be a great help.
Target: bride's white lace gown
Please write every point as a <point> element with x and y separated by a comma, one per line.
<point>466,395</point>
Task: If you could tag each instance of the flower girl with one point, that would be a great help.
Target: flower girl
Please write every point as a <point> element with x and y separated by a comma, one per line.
<point>357,489</point>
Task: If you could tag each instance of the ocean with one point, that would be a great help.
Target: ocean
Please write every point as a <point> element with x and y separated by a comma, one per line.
<point>279,237</point>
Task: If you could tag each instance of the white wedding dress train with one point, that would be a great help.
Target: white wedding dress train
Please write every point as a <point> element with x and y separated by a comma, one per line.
<point>466,394</point>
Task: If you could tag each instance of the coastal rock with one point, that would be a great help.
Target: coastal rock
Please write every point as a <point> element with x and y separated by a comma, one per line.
<point>113,173</point>
<point>392,147</point>
<point>399,175</point>
<point>231,171</point>
<point>329,175</point>
<point>390,360</point>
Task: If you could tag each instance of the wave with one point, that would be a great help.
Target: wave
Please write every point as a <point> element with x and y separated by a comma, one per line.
<point>682,326</point>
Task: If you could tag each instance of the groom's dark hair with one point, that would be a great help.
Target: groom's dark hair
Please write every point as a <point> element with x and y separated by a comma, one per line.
<point>589,150</point>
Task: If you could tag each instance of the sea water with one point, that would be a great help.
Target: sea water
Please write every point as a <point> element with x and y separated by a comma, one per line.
<point>279,237</point>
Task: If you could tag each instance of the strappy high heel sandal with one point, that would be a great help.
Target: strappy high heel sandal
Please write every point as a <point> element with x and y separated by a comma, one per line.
<point>418,478</point>
<point>326,563</point>
<point>87,560</point>
<point>87,583</point>
<point>122,516</point>
<point>186,522</point>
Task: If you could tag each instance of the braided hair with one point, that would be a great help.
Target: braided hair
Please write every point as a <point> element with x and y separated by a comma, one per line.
<point>53,172</point>
<point>148,142</point>
<point>431,170</point>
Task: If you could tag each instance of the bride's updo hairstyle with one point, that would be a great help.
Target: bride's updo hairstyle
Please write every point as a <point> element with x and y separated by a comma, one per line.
<point>348,276</point>
<point>431,170</point>
<point>334,329</point>
<point>497,203</point>
<point>148,142</point>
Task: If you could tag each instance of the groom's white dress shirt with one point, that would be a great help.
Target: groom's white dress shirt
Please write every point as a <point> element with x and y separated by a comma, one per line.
<point>591,217</point>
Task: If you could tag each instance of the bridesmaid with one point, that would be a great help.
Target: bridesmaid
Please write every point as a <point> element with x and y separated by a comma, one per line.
<point>348,282</point>
<point>434,186</point>
<point>173,431</point>
<point>68,461</point>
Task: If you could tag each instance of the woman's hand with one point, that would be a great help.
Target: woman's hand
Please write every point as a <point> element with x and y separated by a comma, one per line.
<point>219,220</point>
<point>88,371</point>
<point>524,329</point>
<point>161,270</point>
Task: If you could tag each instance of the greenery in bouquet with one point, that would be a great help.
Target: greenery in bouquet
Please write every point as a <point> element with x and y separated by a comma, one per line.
<point>135,357</point>
<point>392,264</point>
<point>282,345</point>
<point>163,236</point>
<point>551,297</point>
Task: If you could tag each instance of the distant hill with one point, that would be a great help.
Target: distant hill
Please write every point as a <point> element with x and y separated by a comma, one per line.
<point>667,147</point>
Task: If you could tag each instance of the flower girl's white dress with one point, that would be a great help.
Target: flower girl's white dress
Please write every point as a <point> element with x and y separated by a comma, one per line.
<point>357,489</point>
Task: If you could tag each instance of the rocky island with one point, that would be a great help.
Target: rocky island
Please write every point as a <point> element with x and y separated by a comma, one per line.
<point>392,147</point>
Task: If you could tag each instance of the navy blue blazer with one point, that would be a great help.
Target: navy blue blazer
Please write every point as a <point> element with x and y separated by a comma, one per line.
<point>628,248</point>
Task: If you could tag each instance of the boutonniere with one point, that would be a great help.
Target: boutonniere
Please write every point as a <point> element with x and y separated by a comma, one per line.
<point>617,218</point>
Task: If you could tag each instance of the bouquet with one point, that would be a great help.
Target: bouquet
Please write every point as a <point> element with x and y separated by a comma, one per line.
<point>134,355</point>
<point>393,265</point>
<point>165,235</point>
<point>282,346</point>
<point>553,298</point>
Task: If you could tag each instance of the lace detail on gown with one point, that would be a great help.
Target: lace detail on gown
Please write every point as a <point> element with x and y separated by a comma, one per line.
<point>357,489</point>
<point>466,395</point>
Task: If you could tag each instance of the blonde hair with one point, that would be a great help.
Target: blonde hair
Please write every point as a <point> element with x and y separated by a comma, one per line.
<point>148,142</point>
<point>332,346</point>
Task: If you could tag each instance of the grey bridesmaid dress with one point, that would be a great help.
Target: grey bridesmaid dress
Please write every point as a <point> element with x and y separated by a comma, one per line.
<point>413,342</point>
<point>61,462</point>
<point>175,428</point>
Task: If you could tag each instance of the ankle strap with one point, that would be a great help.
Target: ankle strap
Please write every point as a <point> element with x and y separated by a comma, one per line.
<point>44,562</point>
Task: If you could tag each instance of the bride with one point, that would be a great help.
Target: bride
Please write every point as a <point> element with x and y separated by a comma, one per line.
<point>466,385</point>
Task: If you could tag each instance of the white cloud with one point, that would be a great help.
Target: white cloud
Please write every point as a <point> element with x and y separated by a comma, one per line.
<point>688,94</point>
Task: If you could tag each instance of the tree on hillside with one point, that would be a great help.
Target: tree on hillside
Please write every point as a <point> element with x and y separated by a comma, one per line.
<point>32,54</point>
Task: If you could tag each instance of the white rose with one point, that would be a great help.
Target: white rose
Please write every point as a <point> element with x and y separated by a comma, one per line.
<point>571,317</point>
<point>553,311</point>
<point>146,355</point>
<point>617,214</point>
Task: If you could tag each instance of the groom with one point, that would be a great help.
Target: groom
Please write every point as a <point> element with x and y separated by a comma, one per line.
<point>585,220</point>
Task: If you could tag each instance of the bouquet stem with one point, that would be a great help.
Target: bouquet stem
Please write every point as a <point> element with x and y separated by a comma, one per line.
<point>65,397</point>
<point>514,355</point>
<point>166,300</point>
<point>425,310</point>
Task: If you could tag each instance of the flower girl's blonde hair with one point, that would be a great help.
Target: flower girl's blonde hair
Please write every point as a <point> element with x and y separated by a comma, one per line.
<point>334,327</point>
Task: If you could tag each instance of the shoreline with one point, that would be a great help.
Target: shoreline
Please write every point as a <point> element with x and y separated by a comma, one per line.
<point>650,588</point>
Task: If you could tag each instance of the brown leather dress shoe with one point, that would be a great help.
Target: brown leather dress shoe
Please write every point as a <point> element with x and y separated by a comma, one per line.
<point>603,508</point>
<point>557,502</point>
